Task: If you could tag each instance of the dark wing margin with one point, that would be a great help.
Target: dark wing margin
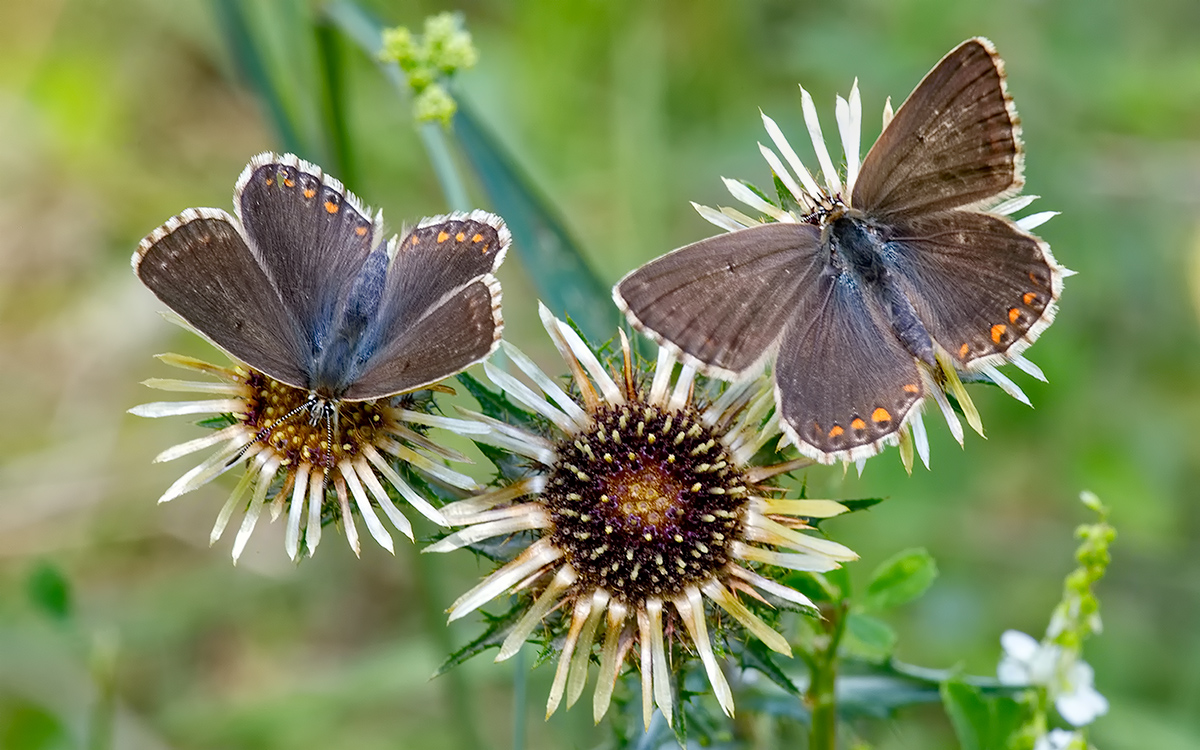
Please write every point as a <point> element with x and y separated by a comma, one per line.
<point>844,385</point>
<point>954,143</point>
<point>309,233</point>
<point>722,303</point>
<point>984,288</point>
<point>441,308</point>
<point>200,266</point>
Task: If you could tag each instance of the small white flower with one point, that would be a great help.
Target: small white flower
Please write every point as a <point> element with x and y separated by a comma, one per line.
<point>1060,739</point>
<point>1067,678</point>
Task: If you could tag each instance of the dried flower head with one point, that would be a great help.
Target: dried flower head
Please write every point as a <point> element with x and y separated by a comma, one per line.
<point>300,454</point>
<point>643,504</point>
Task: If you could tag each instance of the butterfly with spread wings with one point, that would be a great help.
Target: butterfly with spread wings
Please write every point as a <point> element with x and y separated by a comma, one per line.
<point>866,294</point>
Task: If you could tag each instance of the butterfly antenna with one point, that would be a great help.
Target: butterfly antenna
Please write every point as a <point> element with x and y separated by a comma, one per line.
<point>262,434</point>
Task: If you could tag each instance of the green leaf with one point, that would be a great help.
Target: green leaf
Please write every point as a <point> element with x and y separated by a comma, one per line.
<point>493,404</point>
<point>861,503</point>
<point>969,714</point>
<point>495,633</point>
<point>900,579</point>
<point>564,280</point>
<point>250,64</point>
<point>868,637</point>
<point>757,656</point>
<point>880,692</point>
<point>332,104</point>
<point>50,591</point>
<point>980,722</point>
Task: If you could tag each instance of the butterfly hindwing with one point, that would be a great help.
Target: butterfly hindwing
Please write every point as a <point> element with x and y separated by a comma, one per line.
<point>723,302</point>
<point>955,141</point>
<point>200,266</point>
<point>983,287</point>
<point>441,309</point>
<point>843,382</point>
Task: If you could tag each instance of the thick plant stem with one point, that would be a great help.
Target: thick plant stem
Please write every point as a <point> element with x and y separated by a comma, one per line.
<point>822,689</point>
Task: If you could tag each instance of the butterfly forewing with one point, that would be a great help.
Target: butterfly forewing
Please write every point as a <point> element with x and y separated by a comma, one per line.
<point>310,235</point>
<point>1002,282</point>
<point>441,310</point>
<point>199,265</point>
<point>954,143</point>
<point>724,301</point>
<point>844,384</point>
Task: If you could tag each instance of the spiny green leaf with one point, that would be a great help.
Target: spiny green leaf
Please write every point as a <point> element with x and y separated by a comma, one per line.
<point>495,633</point>
<point>495,404</point>
<point>757,656</point>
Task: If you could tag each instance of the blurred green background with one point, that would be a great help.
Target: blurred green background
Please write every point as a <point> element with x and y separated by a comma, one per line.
<point>117,114</point>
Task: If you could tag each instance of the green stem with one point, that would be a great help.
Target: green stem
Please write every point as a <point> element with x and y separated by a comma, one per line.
<point>367,33</point>
<point>822,688</point>
<point>433,135</point>
<point>519,692</point>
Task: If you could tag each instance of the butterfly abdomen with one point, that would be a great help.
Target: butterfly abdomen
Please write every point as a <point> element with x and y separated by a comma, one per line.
<point>861,252</point>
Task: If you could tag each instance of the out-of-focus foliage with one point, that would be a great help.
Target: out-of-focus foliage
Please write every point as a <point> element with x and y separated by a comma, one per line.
<point>116,115</point>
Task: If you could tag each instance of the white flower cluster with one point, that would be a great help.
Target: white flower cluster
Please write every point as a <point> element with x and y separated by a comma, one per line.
<point>1068,681</point>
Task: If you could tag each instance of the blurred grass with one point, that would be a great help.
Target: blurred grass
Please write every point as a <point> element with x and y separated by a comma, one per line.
<point>116,115</point>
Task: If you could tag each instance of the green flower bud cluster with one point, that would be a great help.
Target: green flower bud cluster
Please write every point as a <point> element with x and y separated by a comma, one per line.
<point>1077,616</point>
<point>429,59</point>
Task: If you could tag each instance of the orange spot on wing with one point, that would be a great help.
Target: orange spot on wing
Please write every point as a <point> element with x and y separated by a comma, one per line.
<point>963,350</point>
<point>331,207</point>
<point>477,238</point>
<point>881,415</point>
<point>415,241</point>
<point>998,332</point>
<point>360,231</point>
<point>836,431</point>
<point>442,237</point>
<point>912,388</point>
<point>460,236</point>
<point>1013,314</point>
<point>1029,297</point>
<point>858,424</point>
<point>309,192</point>
<point>289,182</point>
<point>269,181</point>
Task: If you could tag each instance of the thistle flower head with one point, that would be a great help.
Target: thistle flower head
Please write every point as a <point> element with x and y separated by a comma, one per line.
<point>319,461</point>
<point>644,504</point>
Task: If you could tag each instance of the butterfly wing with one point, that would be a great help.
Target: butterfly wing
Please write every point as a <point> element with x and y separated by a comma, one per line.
<point>843,382</point>
<point>984,288</point>
<point>723,302</point>
<point>441,307</point>
<point>200,266</point>
<point>310,235</point>
<point>955,142</point>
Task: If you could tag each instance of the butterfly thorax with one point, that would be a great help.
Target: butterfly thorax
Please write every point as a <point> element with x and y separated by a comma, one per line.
<point>859,254</point>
